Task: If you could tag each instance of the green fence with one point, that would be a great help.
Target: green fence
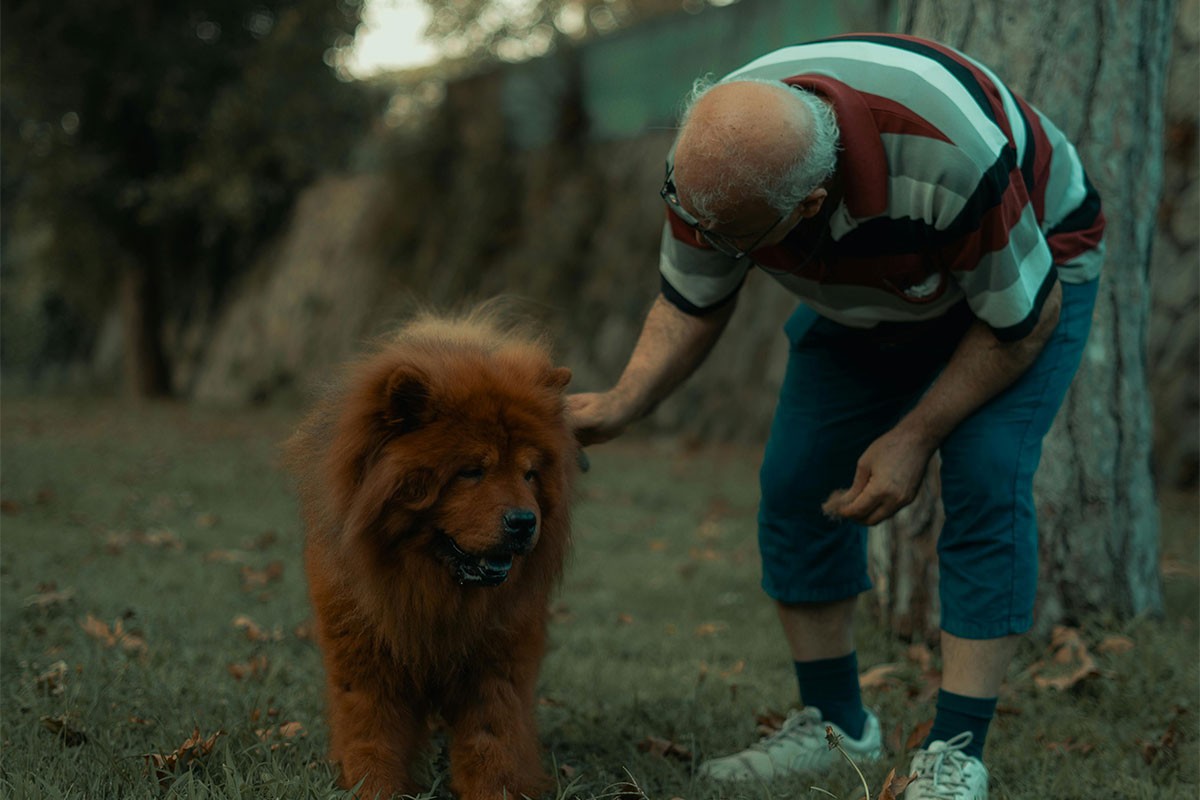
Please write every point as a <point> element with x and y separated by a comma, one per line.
<point>632,81</point>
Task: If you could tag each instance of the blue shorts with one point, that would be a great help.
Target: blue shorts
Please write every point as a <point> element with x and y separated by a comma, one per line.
<point>846,387</point>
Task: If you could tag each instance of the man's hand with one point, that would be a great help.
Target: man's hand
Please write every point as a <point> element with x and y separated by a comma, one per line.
<point>888,476</point>
<point>890,471</point>
<point>596,417</point>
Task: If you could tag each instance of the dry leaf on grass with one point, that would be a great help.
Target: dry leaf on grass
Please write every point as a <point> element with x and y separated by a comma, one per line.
<point>1165,746</point>
<point>710,628</point>
<point>254,668</point>
<point>53,680</point>
<point>1115,645</point>
<point>736,669</point>
<point>186,756</point>
<point>1068,745</point>
<point>255,632</point>
<point>64,727</point>
<point>664,748</point>
<point>1068,664</point>
<point>917,735</point>
<point>769,721</point>
<point>115,543</point>
<point>115,636</point>
<point>282,735</point>
<point>878,677</point>
<point>894,786</point>
<point>254,579</point>
<point>49,597</point>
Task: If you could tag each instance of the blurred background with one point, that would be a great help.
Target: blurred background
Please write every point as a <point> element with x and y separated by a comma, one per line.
<point>220,201</point>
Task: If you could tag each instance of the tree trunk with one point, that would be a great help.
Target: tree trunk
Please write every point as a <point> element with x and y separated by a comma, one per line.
<point>146,373</point>
<point>1098,69</point>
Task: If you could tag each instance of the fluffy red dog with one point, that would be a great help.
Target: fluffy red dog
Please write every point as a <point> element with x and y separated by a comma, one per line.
<point>434,488</point>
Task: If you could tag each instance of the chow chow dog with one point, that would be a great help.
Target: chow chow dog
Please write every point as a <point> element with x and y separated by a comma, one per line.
<point>434,485</point>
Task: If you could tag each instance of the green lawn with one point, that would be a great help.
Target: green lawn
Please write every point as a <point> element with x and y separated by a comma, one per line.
<point>139,544</point>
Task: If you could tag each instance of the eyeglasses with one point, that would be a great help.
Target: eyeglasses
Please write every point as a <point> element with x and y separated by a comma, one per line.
<point>719,242</point>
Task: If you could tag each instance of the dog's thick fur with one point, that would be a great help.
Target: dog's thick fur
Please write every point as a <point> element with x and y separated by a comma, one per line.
<point>434,485</point>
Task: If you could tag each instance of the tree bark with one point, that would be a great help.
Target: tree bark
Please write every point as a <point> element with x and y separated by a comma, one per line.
<point>146,372</point>
<point>1098,69</point>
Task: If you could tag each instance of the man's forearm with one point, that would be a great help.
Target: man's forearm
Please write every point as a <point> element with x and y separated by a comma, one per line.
<point>980,368</point>
<point>670,348</point>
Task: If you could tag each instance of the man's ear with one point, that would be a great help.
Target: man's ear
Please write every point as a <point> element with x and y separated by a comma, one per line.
<point>406,404</point>
<point>811,205</point>
<point>557,378</point>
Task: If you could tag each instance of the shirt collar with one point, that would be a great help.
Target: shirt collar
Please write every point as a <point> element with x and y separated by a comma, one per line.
<point>862,163</point>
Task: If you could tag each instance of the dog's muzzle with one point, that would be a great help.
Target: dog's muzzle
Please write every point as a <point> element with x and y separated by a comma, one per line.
<point>474,570</point>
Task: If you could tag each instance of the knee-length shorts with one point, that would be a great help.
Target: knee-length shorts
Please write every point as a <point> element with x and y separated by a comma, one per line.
<point>846,387</point>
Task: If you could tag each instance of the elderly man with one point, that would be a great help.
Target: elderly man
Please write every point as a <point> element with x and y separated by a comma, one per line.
<point>945,244</point>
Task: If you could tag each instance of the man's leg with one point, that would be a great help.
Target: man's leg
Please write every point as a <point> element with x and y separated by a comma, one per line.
<point>988,545</point>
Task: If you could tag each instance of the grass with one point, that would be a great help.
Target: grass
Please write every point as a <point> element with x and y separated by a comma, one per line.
<point>173,522</point>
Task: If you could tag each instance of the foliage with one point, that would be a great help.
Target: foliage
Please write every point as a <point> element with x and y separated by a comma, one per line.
<point>173,651</point>
<point>514,30</point>
<point>171,134</point>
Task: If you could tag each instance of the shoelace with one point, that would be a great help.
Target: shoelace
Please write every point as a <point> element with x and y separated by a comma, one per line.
<point>799,724</point>
<point>952,767</point>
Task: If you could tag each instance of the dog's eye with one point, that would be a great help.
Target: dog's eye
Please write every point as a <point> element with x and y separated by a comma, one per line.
<point>531,475</point>
<point>471,473</point>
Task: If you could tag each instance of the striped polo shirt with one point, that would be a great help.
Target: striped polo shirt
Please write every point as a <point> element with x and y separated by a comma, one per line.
<point>954,188</point>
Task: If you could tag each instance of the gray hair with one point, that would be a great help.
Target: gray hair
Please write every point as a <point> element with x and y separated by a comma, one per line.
<point>782,190</point>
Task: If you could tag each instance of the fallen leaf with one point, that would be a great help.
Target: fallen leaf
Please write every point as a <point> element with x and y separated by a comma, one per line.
<point>53,680</point>
<point>658,546</point>
<point>254,632</point>
<point>567,771</point>
<point>64,727</point>
<point>1069,745</point>
<point>878,677</point>
<point>893,786</point>
<point>286,731</point>
<point>261,542</point>
<point>115,543</point>
<point>769,721</point>
<point>51,598</point>
<point>664,748</point>
<point>710,628</point>
<point>1165,747</point>
<point>207,520</point>
<point>115,636</point>
<point>736,669</point>
<point>624,619</point>
<point>253,579</point>
<point>1115,644</point>
<point>254,668</point>
<point>1068,664</point>
<point>917,736</point>
<point>186,756</point>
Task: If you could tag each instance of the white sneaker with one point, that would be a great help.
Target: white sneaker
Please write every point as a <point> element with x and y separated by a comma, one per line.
<point>944,772</point>
<point>798,746</point>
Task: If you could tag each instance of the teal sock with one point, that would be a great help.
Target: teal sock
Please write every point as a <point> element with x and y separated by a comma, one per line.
<point>831,684</point>
<point>957,713</point>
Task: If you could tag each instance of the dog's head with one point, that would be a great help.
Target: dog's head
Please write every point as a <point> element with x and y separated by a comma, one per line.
<point>467,453</point>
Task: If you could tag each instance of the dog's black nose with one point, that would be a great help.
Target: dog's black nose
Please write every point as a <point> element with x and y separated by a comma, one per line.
<point>519,526</point>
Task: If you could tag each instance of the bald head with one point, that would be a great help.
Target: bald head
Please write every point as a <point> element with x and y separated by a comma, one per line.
<point>752,142</point>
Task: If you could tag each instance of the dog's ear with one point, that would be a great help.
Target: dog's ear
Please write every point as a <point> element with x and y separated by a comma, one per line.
<point>406,401</point>
<point>557,378</point>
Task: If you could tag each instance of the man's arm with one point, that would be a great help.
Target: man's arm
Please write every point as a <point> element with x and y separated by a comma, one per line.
<point>671,346</point>
<point>890,471</point>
